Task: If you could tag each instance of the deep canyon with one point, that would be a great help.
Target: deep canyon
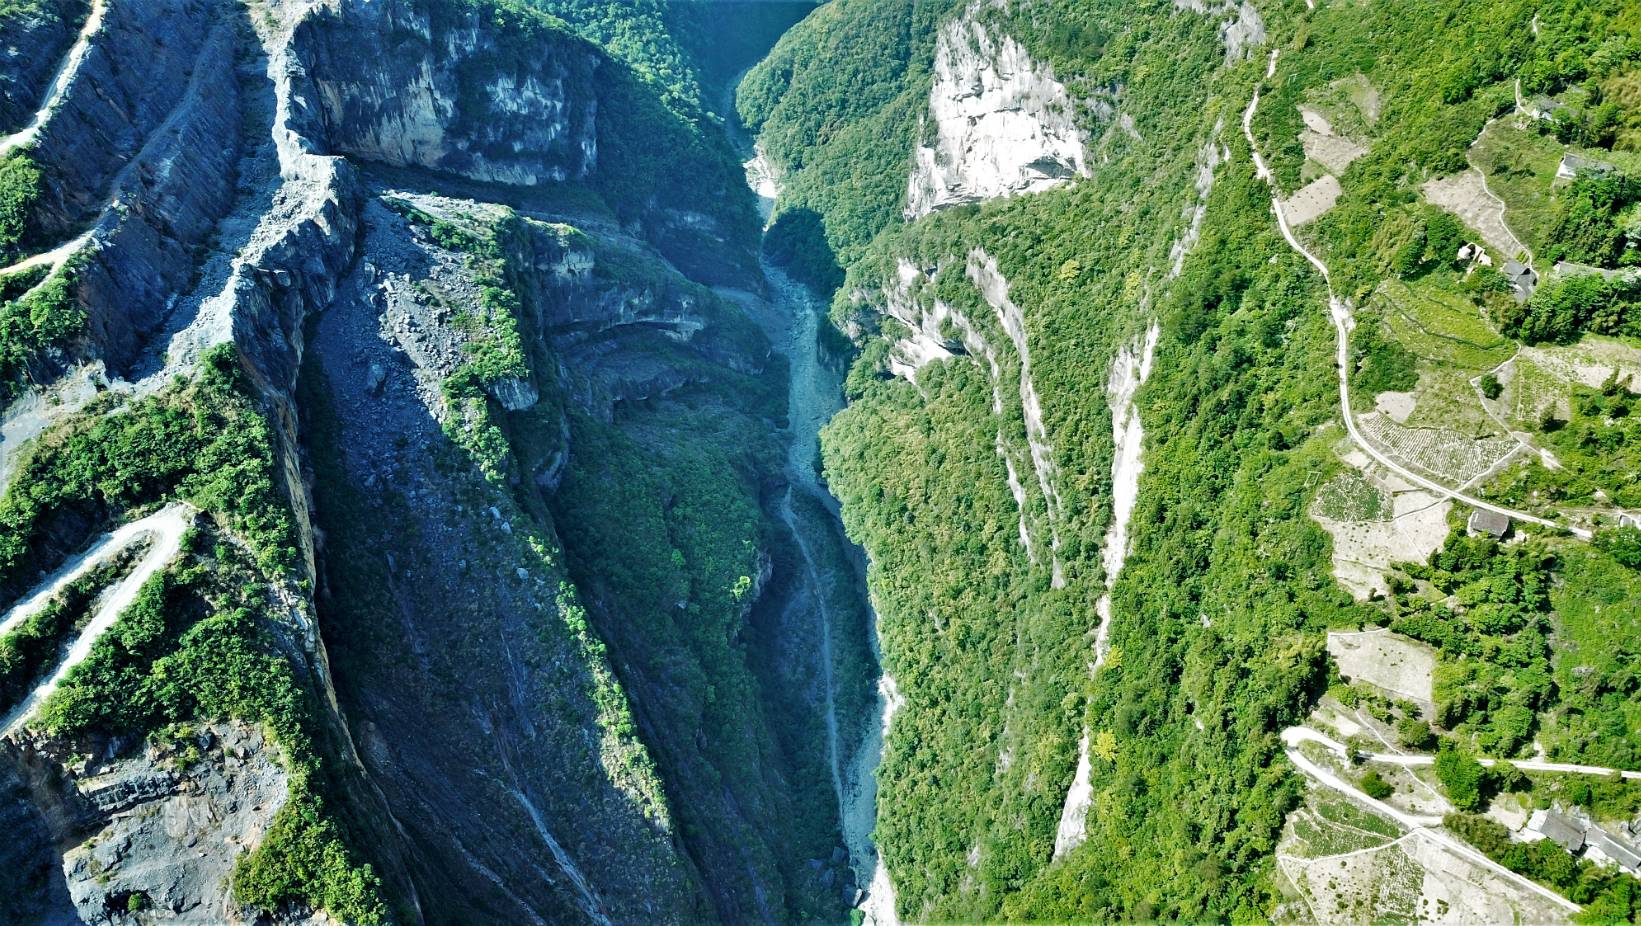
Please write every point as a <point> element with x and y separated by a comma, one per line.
<point>778,461</point>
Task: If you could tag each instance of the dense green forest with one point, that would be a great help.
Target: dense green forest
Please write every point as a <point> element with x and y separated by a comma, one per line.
<point>1243,364</point>
<point>1217,640</point>
<point>840,127</point>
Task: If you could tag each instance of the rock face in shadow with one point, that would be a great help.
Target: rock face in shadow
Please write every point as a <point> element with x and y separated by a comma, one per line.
<point>32,889</point>
<point>463,670</point>
<point>538,777</point>
<point>500,745</point>
<point>171,197</point>
<point>433,85</point>
<point>127,87</point>
<point>32,44</point>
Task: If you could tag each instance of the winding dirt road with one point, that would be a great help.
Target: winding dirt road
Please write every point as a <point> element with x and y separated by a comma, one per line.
<point>1424,826</point>
<point>1416,760</point>
<point>166,528</point>
<point>1340,313</point>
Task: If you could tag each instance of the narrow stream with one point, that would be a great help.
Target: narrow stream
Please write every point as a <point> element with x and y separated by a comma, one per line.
<point>854,744</point>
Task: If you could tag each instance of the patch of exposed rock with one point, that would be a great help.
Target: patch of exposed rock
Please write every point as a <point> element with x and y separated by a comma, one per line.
<point>166,825</point>
<point>124,91</point>
<point>998,122</point>
<point>32,43</point>
<point>1241,28</point>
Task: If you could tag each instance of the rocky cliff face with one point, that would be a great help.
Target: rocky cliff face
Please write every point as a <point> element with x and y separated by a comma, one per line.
<point>33,44</point>
<point>163,824</point>
<point>465,673</point>
<point>441,86</point>
<point>432,85</point>
<point>426,354</point>
<point>127,94</point>
<point>999,122</point>
<point>494,759</point>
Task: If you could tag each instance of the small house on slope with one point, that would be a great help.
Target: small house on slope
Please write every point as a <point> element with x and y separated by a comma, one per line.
<point>1556,827</point>
<point>1574,831</point>
<point>1491,523</point>
<point>1573,166</point>
<point>1522,279</point>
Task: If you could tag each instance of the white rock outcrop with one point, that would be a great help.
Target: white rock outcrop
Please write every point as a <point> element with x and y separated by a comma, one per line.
<point>1073,829</point>
<point>925,341</point>
<point>934,330</point>
<point>1129,371</point>
<point>1212,154</point>
<point>1001,123</point>
<point>994,288</point>
<point>1241,28</point>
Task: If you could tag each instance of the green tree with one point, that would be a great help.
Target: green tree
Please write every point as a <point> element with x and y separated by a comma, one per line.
<point>1622,544</point>
<point>1462,776</point>
<point>20,186</point>
<point>1414,733</point>
<point>1376,787</point>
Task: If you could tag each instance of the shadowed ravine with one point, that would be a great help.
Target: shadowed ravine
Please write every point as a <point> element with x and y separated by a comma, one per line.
<point>854,744</point>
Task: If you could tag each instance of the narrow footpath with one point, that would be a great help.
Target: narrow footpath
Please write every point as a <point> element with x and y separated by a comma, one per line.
<point>60,80</point>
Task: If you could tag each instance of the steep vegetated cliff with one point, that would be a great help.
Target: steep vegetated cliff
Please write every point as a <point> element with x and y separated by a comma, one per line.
<point>1015,201</point>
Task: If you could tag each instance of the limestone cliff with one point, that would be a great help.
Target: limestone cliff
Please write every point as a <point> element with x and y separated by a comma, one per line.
<point>998,121</point>
<point>413,84</point>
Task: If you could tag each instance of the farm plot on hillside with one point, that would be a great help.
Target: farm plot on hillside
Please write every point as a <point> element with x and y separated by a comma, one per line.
<point>1520,167</point>
<point>1582,399</point>
<point>1440,325</point>
<point>1442,426</point>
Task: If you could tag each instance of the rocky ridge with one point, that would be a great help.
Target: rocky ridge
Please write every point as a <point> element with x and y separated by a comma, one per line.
<point>204,164</point>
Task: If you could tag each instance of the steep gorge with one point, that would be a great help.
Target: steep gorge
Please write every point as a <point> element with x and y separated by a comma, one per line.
<point>558,461</point>
<point>510,360</point>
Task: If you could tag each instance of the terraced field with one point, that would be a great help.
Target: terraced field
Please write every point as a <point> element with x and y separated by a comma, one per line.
<point>1441,452</point>
<point>1338,856</point>
<point>1441,326</point>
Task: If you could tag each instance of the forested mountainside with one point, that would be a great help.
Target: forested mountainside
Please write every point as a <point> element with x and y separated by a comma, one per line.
<point>560,461</point>
<point>1111,271</point>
